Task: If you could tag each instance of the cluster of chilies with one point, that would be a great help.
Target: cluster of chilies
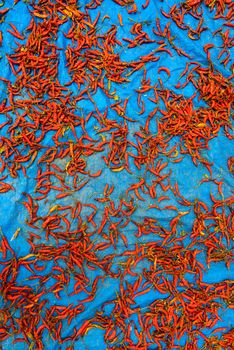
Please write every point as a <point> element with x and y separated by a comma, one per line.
<point>138,240</point>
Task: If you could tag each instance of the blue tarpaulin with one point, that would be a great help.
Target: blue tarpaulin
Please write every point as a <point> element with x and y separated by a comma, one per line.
<point>194,181</point>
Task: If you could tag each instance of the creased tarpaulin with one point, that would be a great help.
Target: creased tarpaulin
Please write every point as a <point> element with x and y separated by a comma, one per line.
<point>116,175</point>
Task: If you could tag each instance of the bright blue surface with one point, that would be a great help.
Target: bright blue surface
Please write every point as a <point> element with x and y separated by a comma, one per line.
<point>185,173</point>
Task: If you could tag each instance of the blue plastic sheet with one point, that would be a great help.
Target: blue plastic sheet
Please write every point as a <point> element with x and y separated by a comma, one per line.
<point>188,176</point>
